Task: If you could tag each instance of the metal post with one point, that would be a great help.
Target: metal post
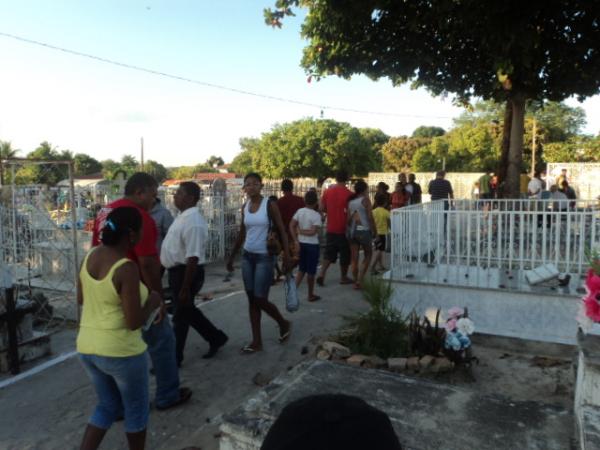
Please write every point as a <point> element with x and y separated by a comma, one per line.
<point>11,322</point>
<point>74,237</point>
<point>14,218</point>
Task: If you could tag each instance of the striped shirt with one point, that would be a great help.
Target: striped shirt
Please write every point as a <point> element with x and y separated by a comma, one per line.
<point>440,189</point>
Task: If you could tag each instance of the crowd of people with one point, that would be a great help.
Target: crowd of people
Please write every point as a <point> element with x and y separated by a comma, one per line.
<point>124,322</point>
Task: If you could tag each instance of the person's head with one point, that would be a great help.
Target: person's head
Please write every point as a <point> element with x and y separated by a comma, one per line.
<point>380,200</point>
<point>187,195</point>
<point>564,172</point>
<point>402,178</point>
<point>381,186</point>
<point>564,185</point>
<point>441,174</point>
<point>311,199</point>
<point>123,226</point>
<point>360,188</point>
<point>332,422</point>
<point>399,187</point>
<point>141,188</point>
<point>341,176</point>
<point>553,188</point>
<point>272,198</point>
<point>287,185</point>
<point>542,173</point>
<point>411,177</point>
<point>536,174</point>
<point>252,184</point>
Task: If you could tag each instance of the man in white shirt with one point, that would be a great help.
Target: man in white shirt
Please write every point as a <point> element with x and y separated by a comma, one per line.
<point>183,254</point>
<point>535,186</point>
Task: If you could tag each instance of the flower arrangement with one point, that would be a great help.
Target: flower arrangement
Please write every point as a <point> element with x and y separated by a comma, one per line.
<point>458,329</point>
<point>589,312</point>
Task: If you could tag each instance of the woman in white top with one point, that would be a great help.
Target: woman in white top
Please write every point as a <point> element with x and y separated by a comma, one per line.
<point>257,264</point>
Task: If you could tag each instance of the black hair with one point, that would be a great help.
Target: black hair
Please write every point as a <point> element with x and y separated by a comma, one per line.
<point>287,185</point>
<point>119,223</point>
<point>139,181</point>
<point>412,176</point>
<point>192,189</point>
<point>380,199</point>
<point>253,175</point>
<point>272,198</point>
<point>359,187</point>
<point>310,198</point>
<point>341,176</point>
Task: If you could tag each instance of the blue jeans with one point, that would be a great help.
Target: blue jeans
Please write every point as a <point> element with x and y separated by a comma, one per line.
<point>121,385</point>
<point>257,272</point>
<point>161,347</point>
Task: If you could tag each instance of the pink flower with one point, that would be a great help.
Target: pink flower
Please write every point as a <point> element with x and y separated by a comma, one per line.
<point>455,312</point>
<point>592,282</point>
<point>592,307</point>
<point>451,325</point>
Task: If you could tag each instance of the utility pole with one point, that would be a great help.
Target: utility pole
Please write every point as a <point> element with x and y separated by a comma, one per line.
<point>142,155</point>
<point>533,146</point>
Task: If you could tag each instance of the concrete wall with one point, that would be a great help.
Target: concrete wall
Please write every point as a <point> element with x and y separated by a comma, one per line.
<point>462,182</point>
<point>534,316</point>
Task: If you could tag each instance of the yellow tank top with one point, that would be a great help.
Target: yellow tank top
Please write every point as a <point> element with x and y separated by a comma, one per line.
<point>102,330</point>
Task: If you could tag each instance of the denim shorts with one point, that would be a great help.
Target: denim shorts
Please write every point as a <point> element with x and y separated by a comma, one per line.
<point>309,258</point>
<point>121,386</point>
<point>257,272</point>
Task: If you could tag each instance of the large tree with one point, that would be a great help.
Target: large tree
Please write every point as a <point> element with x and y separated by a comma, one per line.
<point>157,170</point>
<point>505,50</point>
<point>313,148</point>
<point>398,152</point>
<point>86,165</point>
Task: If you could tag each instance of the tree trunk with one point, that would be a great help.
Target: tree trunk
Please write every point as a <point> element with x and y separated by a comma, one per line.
<point>503,166</point>
<point>515,152</point>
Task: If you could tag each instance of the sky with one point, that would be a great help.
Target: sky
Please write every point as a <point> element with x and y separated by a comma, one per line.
<point>88,106</point>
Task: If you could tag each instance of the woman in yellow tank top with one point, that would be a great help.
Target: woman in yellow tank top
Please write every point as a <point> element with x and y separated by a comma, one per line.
<point>115,307</point>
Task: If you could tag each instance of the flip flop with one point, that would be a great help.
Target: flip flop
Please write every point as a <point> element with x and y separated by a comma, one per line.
<point>314,298</point>
<point>346,281</point>
<point>248,350</point>
<point>356,286</point>
<point>184,395</point>
<point>284,337</point>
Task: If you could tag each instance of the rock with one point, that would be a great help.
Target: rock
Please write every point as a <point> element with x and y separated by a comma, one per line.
<point>397,364</point>
<point>425,362</point>
<point>412,363</point>
<point>442,364</point>
<point>323,355</point>
<point>374,362</point>
<point>357,360</point>
<point>337,351</point>
<point>260,379</point>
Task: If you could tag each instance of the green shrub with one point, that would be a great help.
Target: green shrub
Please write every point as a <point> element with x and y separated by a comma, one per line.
<point>382,331</point>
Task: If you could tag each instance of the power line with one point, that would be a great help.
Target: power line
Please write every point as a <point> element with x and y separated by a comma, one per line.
<point>213,85</point>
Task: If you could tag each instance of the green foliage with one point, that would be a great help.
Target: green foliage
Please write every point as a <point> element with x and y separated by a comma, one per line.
<point>579,148</point>
<point>428,132</point>
<point>86,165</point>
<point>157,170</point>
<point>398,152</point>
<point>382,331</point>
<point>513,51</point>
<point>49,174</point>
<point>311,148</point>
<point>214,161</point>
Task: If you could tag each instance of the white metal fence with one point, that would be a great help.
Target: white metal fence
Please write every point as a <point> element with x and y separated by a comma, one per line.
<point>459,242</point>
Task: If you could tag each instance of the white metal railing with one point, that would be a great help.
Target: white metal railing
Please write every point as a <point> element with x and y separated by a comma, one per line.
<point>512,235</point>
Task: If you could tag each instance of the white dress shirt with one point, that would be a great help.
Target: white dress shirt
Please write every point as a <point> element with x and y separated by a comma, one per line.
<point>185,239</point>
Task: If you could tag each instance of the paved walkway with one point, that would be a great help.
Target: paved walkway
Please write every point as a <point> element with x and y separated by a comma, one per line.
<point>49,410</point>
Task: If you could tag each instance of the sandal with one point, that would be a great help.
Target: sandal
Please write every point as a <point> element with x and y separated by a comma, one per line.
<point>356,286</point>
<point>346,281</point>
<point>284,337</point>
<point>184,395</point>
<point>248,350</point>
<point>314,298</point>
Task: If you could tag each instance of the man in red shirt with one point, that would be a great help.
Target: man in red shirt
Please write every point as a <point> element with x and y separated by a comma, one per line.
<point>288,204</point>
<point>334,203</point>
<point>140,193</point>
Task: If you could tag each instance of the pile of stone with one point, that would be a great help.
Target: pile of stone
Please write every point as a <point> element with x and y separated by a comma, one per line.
<point>330,350</point>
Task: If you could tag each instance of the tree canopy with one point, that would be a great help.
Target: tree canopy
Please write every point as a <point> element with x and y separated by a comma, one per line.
<point>494,50</point>
<point>312,148</point>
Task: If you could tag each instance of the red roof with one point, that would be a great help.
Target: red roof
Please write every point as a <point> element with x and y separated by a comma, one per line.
<point>209,176</point>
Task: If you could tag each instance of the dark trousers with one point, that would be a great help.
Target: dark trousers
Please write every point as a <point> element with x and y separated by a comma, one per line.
<point>188,315</point>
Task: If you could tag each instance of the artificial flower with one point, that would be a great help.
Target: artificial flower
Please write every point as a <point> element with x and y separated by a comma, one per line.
<point>465,326</point>
<point>451,325</point>
<point>455,312</point>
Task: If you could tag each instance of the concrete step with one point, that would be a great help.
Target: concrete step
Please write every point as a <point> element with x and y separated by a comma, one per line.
<point>425,415</point>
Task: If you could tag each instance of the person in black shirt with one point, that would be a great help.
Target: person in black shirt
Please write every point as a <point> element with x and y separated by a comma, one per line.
<point>440,188</point>
<point>414,189</point>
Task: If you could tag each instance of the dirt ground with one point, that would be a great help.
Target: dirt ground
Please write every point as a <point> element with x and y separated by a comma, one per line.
<point>48,410</point>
